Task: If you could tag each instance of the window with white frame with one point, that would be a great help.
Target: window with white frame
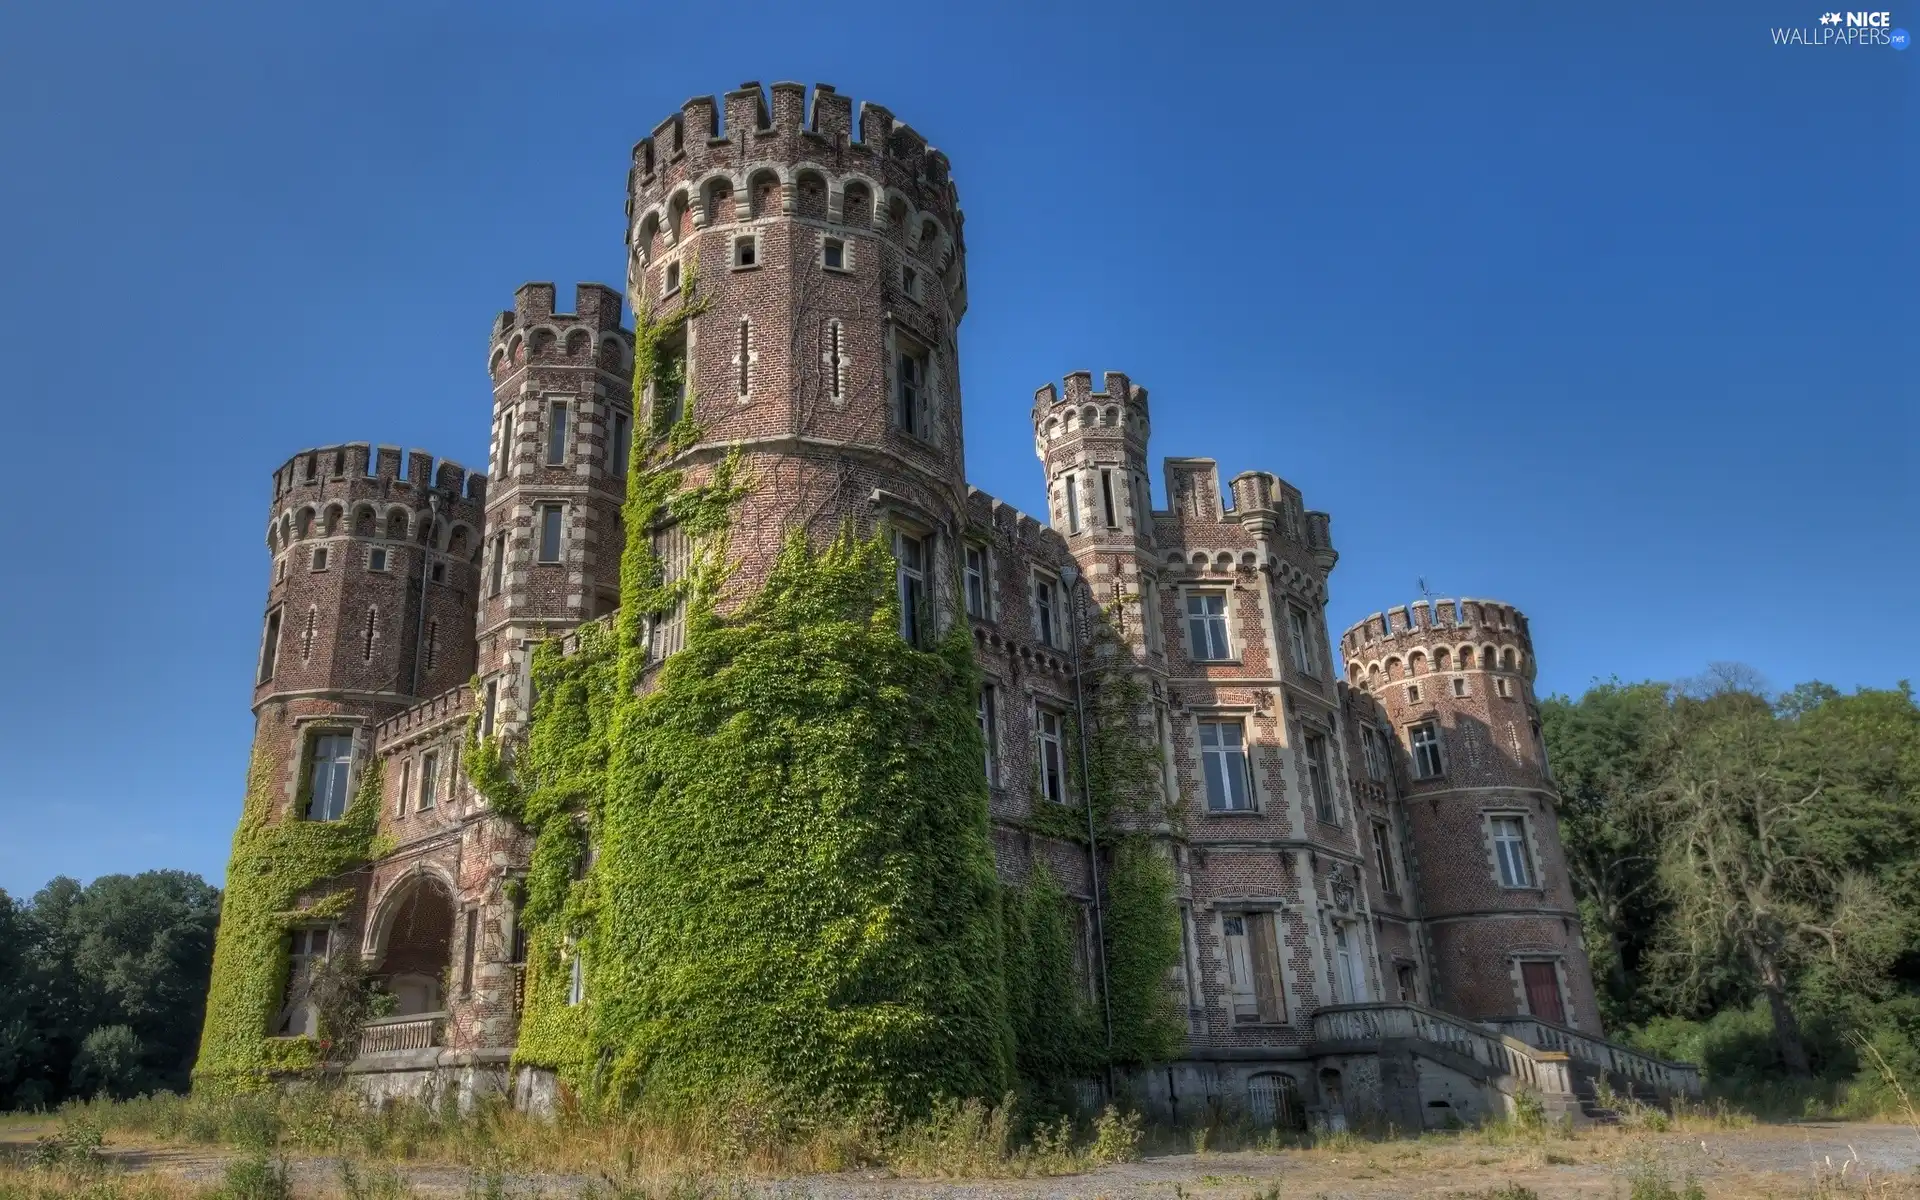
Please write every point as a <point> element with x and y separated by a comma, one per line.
<point>1150,613</point>
<point>490,709</point>
<point>746,251</point>
<point>910,387</point>
<point>1046,610</point>
<point>1070,483</point>
<point>306,949</point>
<point>1510,852</point>
<point>1349,964</point>
<point>1207,626</point>
<point>833,254</point>
<point>1050,727</point>
<point>406,787</point>
<point>1320,778</point>
<point>556,432</point>
<point>1299,639</point>
<point>672,276</point>
<point>1459,685</point>
<point>1424,739</point>
<point>576,978</point>
<point>977,582</point>
<point>1253,967</point>
<point>990,730</point>
<point>1413,693</point>
<point>1503,687</point>
<point>551,517</point>
<point>429,781</point>
<point>269,647</point>
<point>669,386</point>
<point>620,453</point>
<point>1373,747</point>
<point>327,782</point>
<point>911,555</point>
<point>1223,763</point>
<point>667,630</point>
<point>319,558</point>
<point>377,558</point>
<point>1383,857</point>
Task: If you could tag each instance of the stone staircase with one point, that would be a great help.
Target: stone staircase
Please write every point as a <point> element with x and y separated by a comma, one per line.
<point>1507,1056</point>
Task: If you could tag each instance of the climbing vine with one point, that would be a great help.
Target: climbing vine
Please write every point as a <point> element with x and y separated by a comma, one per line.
<point>274,862</point>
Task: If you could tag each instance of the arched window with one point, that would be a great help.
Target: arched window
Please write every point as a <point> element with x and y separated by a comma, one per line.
<point>1442,659</point>
<point>856,205</point>
<point>1486,658</point>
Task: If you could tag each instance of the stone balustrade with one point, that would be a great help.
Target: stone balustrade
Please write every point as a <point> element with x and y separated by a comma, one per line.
<point>1543,1070</point>
<point>1667,1079</point>
<point>419,1031</point>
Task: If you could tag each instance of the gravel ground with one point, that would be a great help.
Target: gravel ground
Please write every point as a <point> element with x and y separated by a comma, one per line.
<point>1779,1161</point>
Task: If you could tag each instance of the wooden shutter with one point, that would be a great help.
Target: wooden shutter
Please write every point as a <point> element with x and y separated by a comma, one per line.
<point>1266,967</point>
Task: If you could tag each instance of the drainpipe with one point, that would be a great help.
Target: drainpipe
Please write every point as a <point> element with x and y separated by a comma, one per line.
<point>426,569</point>
<point>1070,575</point>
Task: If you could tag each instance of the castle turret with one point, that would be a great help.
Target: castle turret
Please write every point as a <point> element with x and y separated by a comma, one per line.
<point>821,260</point>
<point>562,429</point>
<point>1454,682</point>
<point>368,608</point>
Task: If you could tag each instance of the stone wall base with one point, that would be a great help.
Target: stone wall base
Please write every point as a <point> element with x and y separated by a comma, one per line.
<point>459,1079</point>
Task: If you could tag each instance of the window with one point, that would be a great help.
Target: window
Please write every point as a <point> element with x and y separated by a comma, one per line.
<point>576,978</point>
<point>1253,967</point>
<point>280,571</point>
<point>470,946</point>
<point>910,556</point>
<point>1046,610</point>
<point>833,254</point>
<point>1541,979</point>
<point>1072,486</point>
<point>1299,640</point>
<point>1207,626</point>
<point>667,632</point>
<point>990,730</point>
<point>1413,693</point>
<point>1502,686</point>
<point>1053,761</point>
<point>1150,614</point>
<point>1319,780</point>
<point>909,282</point>
<point>673,279</point>
<point>327,786</point>
<point>745,252</point>
<point>490,708</point>
<point>1383,857</point>
<point>269,647</point>
<point>429,780</point>
<point>550,515</point>
<point>319,558</point>
<point>619,453</point>
<point>1107,509</point>
<point>406,787</point>
<point>1223,762</point>
<point>556,433</point>
<point>298,1017</point>
<point>910,391</point>
<point>743,359</point>
<point>670,387</point>
<point>1460,685</point>
<point>1406,977</point>
<point>836,359</point>
<point>1373,746</point>
<point>433,642</point>
<point>439,572</point>
<point>373,622</point>
<point>1510,852</point>
<point>1425,739</point>
<point>1349,966</point>
<point>976,580</point>
<point>498,569</point>
<point>377,558</point>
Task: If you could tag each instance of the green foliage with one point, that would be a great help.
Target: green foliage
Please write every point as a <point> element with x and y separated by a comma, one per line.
<point>1057,1034</point>
<point>275,861</point>
<point>109,1063</point>
<point>1143,944</point>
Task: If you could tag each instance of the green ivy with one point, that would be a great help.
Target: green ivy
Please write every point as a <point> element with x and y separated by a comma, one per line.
<point>274,862</point>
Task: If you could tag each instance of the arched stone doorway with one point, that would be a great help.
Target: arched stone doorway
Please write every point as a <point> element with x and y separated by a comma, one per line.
<point>412,946</point>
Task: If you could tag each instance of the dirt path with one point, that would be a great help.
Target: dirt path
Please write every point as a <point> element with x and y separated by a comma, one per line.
<point>1766,1161</point>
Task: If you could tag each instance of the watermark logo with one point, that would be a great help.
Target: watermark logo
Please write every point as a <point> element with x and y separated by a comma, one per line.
<point>1845,29</point>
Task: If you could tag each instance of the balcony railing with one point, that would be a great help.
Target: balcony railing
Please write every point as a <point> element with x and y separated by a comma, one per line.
<point>1667,1079</point>
<point>419,1031</point>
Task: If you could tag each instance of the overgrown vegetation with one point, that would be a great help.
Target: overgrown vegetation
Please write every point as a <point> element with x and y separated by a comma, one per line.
<point>1749,871</point>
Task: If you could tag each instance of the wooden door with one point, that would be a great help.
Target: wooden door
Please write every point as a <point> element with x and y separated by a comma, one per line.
<point>1542,981</point>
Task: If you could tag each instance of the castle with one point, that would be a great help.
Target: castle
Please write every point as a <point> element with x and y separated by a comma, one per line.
<point>1374,909</point>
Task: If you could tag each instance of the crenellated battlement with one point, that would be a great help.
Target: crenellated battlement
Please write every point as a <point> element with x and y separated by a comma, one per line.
<point>743,144</point>
<point>357,489</point>
<point>533,331</point>
<point>1456,626</point>
<point>1121,402</point>
<point>428,716</point>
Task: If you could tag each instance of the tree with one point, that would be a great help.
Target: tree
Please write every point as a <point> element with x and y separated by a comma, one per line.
<point>19,1037</point>
<point>1606,753</point>
<point>109,1064</point>
<point>1748,869</point>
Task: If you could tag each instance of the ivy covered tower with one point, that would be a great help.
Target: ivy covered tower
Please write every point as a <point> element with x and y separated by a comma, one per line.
<point>822,256</point>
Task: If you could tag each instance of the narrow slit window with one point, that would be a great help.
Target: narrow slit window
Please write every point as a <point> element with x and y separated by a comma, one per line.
<point>1053,759</point>
<point>470,948</point>
<point>1320,779</point>
<point>429,780</point>
<point>1073,503</point>
<point>491,707</point>
<point>910,568</point>
<point>621,451</point>
<point>498,569</point>
<point>556,433</point>
<point>306,636</point>
<point>366,649</point>
<point>433,642</point>
<point>550,517</point>
<point>270,646</point>
<point>836,361</point>
<point>976,580</point>
<point>990,731</point>
<point>743,358</point>
<point>1106,500</point>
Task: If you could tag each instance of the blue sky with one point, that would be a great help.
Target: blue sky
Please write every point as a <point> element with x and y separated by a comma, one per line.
<point>1606,310</point>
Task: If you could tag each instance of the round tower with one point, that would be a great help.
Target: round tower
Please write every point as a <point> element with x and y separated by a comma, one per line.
<point>822,261</point>
<point>369,608</point>
<point>562,429</point>
<point>1455,681</point>
<point>1093,448</point>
